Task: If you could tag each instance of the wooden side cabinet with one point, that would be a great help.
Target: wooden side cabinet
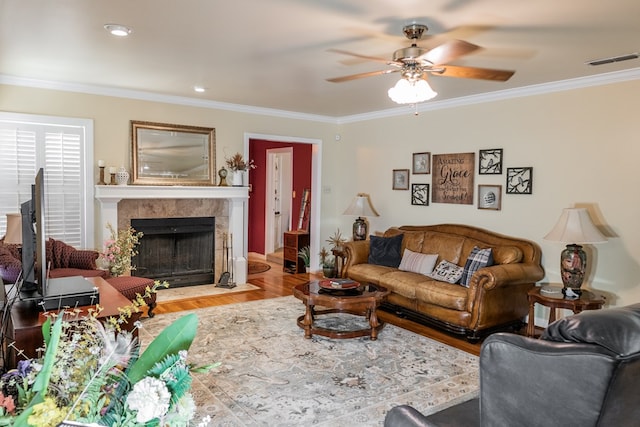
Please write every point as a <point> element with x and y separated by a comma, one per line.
<point>293,242</point>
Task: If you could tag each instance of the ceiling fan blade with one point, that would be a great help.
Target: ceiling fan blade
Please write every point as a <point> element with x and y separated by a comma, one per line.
<point>449,51</point>
<point>474,73</point>
<point>357,55</point>
<point>361,75</point>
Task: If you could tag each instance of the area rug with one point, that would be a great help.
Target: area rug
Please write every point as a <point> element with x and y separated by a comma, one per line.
<point>255,267</point>
<point>271,375</point>
<point>184,292</point>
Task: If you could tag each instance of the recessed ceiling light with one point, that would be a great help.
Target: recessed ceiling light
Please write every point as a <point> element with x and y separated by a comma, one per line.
<point>118,30</point>
<point>199,89</point>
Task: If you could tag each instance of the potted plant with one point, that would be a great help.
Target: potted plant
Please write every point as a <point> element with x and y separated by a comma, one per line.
<point>238,166</point>
<point>305,256</point>
<point>328,264</point>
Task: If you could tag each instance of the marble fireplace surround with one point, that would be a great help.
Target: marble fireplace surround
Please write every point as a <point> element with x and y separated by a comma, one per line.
<point>118,204</point>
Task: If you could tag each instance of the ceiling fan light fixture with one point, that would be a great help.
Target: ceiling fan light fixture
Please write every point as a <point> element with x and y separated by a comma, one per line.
<point>411,92</point>
<point>118,30</point>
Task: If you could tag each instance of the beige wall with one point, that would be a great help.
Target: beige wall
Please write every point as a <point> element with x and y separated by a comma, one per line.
<point>583,147</point>
<point>582,144</point>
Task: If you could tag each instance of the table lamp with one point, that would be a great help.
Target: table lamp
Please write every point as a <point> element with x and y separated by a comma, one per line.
<point>361,207</point>
<point>14,229</point>
<point>574,228</point>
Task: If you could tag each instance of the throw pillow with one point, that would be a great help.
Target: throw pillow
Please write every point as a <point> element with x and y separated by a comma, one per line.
<point>447,272</point>
<point>385,250</point>
<point>477,259</point>
<point>417,262</point>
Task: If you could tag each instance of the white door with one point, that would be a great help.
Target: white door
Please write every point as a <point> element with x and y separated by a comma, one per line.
<point>278,198</point>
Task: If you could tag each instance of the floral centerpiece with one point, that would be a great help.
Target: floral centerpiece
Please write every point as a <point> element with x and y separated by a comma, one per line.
<point>238,163</point>
<point>120,249</point>
<point>92,374</point>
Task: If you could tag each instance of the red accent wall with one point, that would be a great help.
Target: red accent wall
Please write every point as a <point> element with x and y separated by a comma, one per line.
<point>258,177</point>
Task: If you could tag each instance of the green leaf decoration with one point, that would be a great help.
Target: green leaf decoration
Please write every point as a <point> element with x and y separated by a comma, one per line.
<point>175,373</point>
<point>42,380</point>
<point>46,331</point>
<point>174,338</point>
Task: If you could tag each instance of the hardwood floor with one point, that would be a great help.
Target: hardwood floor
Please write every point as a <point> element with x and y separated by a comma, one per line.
<point>275,283</point>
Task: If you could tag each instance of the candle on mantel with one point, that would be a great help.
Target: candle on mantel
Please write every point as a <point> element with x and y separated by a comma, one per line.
<point>112,169</point>
<point>101,163</point>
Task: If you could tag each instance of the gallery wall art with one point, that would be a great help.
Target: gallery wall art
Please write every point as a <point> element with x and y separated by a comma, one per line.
<point>452,178</point>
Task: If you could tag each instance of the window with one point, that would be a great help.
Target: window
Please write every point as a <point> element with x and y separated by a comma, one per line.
<point>64,148</point>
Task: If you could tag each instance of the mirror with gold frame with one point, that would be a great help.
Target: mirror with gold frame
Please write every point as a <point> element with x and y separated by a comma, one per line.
<point>167,154</point>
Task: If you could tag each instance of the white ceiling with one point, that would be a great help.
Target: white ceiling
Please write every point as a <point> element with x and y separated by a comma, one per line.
<point>274,53</point>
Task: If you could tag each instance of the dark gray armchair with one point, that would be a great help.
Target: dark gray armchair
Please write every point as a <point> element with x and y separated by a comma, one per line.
<point>584,371</point>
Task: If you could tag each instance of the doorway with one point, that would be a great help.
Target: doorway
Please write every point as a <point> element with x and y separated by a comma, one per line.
<point>279,189</point>
<point>256,146</point>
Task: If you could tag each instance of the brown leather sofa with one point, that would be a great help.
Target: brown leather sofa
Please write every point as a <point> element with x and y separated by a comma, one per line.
<point>496,296</point>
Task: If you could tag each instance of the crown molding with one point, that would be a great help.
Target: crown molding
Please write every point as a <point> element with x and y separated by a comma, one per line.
<point>539,89</point>
<point>544,88</point>
<point>162,98</point>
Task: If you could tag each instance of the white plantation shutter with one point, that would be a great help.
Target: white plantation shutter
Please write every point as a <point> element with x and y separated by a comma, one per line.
<point>18,157</point>
<point>61,147</point>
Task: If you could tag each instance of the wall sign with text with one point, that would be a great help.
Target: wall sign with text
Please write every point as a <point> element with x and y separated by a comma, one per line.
<point>452,179</point>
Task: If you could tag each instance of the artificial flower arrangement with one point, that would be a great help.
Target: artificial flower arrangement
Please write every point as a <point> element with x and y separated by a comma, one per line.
<point>119,249</point>
<point>238,163</point>
<point>93,375</point>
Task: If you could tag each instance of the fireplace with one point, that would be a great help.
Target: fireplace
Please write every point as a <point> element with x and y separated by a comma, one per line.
<point>118,204</point>
<point>178,250</point>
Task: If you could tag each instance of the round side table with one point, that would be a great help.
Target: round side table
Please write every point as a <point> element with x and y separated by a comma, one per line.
<point>554,300</point>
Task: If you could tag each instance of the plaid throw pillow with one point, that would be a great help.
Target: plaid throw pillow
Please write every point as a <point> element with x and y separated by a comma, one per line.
<point>477,259</point>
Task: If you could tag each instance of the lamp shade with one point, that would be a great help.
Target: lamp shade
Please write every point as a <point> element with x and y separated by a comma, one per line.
<point>575,226</point>
<point>14,229</point>
<point>361,206</point>
<point>411,92</point>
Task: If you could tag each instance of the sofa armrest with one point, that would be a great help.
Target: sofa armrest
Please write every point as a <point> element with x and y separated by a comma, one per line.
<point>10,267</point>
<point>507,274</point>
<point>405,416</point>
<point>557,384</point>
<point>357,252</point>
<point>84,259</point>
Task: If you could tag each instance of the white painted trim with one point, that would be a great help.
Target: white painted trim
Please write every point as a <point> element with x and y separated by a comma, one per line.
<point>158,97</point>
<point>538,89</point>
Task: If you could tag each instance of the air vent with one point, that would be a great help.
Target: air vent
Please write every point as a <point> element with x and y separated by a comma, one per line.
<point>613,59</point>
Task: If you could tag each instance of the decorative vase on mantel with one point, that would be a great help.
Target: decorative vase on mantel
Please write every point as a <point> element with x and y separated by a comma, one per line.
<point>122,176</point>
<point>237,179</point>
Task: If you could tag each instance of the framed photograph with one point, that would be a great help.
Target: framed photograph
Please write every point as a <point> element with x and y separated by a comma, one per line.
<point>401,179</point>
<point>420,194</point>
<point>519,180</point>
<point>490,197</point>
<point>490,162</point>
<point>421,163</point>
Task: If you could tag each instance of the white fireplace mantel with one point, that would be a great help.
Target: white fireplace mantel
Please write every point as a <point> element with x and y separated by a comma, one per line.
<point>110,195</point>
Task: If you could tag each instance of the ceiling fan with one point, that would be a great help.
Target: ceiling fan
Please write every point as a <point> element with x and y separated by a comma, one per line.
<point>414,62</point>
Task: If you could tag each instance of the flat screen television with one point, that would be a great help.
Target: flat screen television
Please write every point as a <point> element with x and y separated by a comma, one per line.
<point>73,291</point>
<point>34,252</point>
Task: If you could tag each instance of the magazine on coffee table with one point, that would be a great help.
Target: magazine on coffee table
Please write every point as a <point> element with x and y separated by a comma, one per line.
<point>338,284</point>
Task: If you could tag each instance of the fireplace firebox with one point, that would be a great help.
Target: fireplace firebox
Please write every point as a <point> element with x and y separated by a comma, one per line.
<point>178,250</point>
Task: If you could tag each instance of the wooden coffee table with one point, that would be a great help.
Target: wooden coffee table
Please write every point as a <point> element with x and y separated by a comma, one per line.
<point>361,301</point>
